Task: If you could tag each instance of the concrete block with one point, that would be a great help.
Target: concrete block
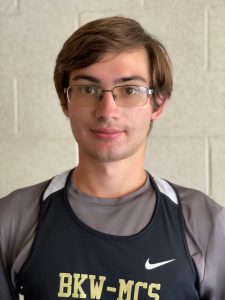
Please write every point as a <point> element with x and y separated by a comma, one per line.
<point>40,113</point>
<point>92,10</point>
<point>30,42</point>
<point>180,160</point>
<point>216,40</point>
<point>218,169</point>
<point>180,26</point>
<point>86,17</point>
<point>29,161</point>
<point>8,106</point>
<point>77,6</point>
<point>9,7</point>
<point>196,108</point>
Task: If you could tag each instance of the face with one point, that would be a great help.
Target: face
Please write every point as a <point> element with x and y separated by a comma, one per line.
<point>108,133</point>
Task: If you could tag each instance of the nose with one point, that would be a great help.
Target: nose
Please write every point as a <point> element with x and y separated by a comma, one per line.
<point>107,108</point>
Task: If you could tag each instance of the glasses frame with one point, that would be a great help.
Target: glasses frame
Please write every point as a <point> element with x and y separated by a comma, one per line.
<point>101,91</point>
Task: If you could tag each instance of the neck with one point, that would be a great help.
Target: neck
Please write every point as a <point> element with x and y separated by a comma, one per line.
<point>109,179</point>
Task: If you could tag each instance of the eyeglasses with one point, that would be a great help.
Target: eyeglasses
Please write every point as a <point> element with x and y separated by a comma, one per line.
<point>124,96</point>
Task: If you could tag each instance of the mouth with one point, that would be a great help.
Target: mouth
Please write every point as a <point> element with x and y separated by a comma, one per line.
<point>107,133</point>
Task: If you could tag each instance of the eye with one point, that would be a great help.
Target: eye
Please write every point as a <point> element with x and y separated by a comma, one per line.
<point>130,90</point>
<point>88,90</point>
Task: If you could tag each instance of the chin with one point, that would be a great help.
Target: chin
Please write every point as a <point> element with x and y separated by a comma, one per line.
<point>111,156</point>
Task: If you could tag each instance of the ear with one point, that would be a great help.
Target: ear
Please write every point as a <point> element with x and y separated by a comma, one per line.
<point>161,104</point>
<point>65,109</point>
<point>66,112</point>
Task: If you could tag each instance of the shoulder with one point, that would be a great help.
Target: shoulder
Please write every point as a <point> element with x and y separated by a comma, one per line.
<point>205,231</point>
<point>19,215</point>
<point>21,197</point>
<point>18,218</point>
<point>202,214</point>
<point>25,202</point>
<point>25,197</point>
<point>198,208</point>
<point>205,226</point>
<point>21,204</point>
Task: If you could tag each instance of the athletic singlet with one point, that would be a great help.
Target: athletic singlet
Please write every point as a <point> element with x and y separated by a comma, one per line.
<point>70,260</point>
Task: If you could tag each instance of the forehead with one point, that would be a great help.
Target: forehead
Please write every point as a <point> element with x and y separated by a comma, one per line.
<point>112,66</point>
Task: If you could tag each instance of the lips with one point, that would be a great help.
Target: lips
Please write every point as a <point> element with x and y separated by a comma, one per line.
<point>107,133</point>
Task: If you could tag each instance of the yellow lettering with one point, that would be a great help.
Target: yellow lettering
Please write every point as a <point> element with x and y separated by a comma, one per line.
<point>125,288</point>
<point>137,287</point>
<point>79,279</point>
<point>70,285</point>
<point>95,287</point>
<point>65,285</point>
<point>151,287</point>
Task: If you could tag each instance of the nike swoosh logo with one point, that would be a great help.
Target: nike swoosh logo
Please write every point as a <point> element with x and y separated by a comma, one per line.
<point>150,266</point>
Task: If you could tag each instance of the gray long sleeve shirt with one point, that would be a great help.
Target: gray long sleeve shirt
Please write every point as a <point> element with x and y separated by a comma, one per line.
<point>127,215</point>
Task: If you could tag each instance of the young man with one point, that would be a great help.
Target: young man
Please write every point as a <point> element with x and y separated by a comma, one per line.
<point>107,229</point>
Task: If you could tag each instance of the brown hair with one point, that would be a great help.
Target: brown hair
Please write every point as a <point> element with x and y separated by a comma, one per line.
<point>91,42</point>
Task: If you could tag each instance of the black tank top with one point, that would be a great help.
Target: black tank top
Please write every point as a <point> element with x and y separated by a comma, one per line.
<point>70,260</point>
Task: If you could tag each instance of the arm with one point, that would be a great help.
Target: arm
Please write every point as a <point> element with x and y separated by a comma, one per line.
<point>213,283</point>
<point>7,292</point>
<point>18,219</point>
<point>205,232</point>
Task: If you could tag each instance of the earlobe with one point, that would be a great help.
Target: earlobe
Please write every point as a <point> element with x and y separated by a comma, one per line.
<point>161,103</point>
<point>66,111</point>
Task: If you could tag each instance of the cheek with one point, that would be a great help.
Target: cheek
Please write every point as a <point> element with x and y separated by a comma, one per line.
<point>75,122</point>
<point>80,120</point>
<point>139,126</point>
<point>140,118</point>
<point>77,116</point>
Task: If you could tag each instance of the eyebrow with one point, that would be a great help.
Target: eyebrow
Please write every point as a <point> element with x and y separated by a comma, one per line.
<point>86,77</point>
<point>130,78</point>
<point>116,81</point>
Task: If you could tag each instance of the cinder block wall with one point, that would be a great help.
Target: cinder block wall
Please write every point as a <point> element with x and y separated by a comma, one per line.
<point>187,145</point>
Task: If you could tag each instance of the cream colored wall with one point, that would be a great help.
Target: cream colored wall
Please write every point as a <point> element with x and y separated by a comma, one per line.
<point>187,145</point>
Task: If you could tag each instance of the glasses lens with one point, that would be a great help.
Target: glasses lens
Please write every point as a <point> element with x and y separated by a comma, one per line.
<point>83,96</point>
<point>130,95</point>
<point>125,96</point>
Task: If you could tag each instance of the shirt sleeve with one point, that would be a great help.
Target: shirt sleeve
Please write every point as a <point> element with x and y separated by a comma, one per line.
<point>205,232</point>
<point>7,292</point>
<point>18,219</point>
<point>213,283</point>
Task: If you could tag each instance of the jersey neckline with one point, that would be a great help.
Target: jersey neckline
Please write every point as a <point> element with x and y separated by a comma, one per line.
<point>96,232</point>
